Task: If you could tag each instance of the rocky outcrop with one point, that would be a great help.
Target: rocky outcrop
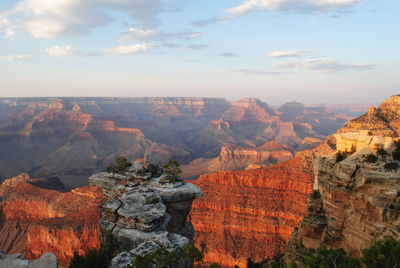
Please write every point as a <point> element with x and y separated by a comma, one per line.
<point>237,158</point>
<point>252,213</point>
<point>48,260</point>
<point>147,209</point>
<point>357,200</point>
<point>34,220</point>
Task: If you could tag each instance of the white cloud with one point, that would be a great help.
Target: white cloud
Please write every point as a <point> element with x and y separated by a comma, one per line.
<point>138,34</point>
<point>290,5</point>
<point>13,58</point>
<point>325,65</point>
<point>52,18</point>
<point>60,51</point>
<point>255,72</point>
<point>128,50</point>
<point>135,34</point>
<point>286,53</point>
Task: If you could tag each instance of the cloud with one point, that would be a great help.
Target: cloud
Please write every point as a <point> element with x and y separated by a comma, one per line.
<point>195,47</point>
<point>206,22</point>
<point>228,55</point>
<point>286,53</point>
<point>255,72</point>
<point>325,65</point>
<point>137,34</point>
<point>61,51</point>
<point>49,19</point>
<point>302,6</point>
<point>129,50</point>
<point>15,58</point>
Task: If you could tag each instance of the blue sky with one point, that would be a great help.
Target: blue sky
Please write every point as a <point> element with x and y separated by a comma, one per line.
<point>313,51</point>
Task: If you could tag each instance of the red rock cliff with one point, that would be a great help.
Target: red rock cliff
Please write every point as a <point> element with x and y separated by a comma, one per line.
<point>35,220</point>
<point>252,213</point>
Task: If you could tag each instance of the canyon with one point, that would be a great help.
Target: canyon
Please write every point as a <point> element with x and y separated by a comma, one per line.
<point>252,213</point>
<point>34,220</point>
<point>72,138</point>
<point>259,206</point>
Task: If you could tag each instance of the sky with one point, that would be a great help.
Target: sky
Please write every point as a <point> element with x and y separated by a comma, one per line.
<point>312,51</point>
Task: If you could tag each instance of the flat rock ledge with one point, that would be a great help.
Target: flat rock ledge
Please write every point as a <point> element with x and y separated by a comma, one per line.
<point>147,209</point>
<point>48,260</point>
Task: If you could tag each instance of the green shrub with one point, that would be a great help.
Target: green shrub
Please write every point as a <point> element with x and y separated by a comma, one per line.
<point>391,166</point>
<point>396,152</point>
<point>382,254</point>
<point>172,169</point>
<point>329,258</point>
<point>371,158</point>
<point>162,258</point>
<point>340,156</point>
<point>121,165</point>
<point>380,151</point>
<point>97,258</point>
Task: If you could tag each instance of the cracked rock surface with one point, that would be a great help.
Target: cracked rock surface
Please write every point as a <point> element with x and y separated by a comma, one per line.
<point>145,210</point>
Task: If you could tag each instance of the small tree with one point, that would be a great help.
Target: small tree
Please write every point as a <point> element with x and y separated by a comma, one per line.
<point>382,254</point>
<point>97,258</point>
<point>396,152</point>
<point>371,158</point>
<point>172,169</point>
<point>340,156</point>
<point>327,258</point>
<point>120,165</point>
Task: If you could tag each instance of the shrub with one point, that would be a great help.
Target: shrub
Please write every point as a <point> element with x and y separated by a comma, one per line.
<point>172,169</point>
<point>315,194</point>
<point>370,133</point>
<point>162,258</point>
<point>382,254</point>
<point>371,158</point>
<point>391,166</point>
<point>121,165</point>
<point>97,258</point>
<point>340,156</point>
<point>327,258</point>
<point>396,152</point>
<point>380,151</point>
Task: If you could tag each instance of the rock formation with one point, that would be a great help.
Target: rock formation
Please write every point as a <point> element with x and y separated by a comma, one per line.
<point>356,200</point>
<point>34,220</point>
<point>237,158</point>
<point>48,260</point>
<point>252,213</point>
<point>76,137</point>
<point>146,209</point>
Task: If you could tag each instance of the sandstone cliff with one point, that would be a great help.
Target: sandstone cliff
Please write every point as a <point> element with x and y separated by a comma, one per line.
<point>252,213</point>
<point>357,200</point>
<point>34,220</point>
<point>146,209</point>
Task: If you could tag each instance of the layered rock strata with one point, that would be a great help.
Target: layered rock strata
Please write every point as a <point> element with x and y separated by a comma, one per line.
<point>34,220</point>
<point>252,213</point>
<point>147,209</point>
<point>357,200</point>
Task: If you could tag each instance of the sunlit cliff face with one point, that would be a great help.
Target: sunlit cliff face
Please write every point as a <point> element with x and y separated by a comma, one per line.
<point>252,213</point>
<point>35,221</point>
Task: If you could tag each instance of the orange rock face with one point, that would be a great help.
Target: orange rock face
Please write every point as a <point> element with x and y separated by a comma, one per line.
<point>35,220</point>
<point>252,213</point>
